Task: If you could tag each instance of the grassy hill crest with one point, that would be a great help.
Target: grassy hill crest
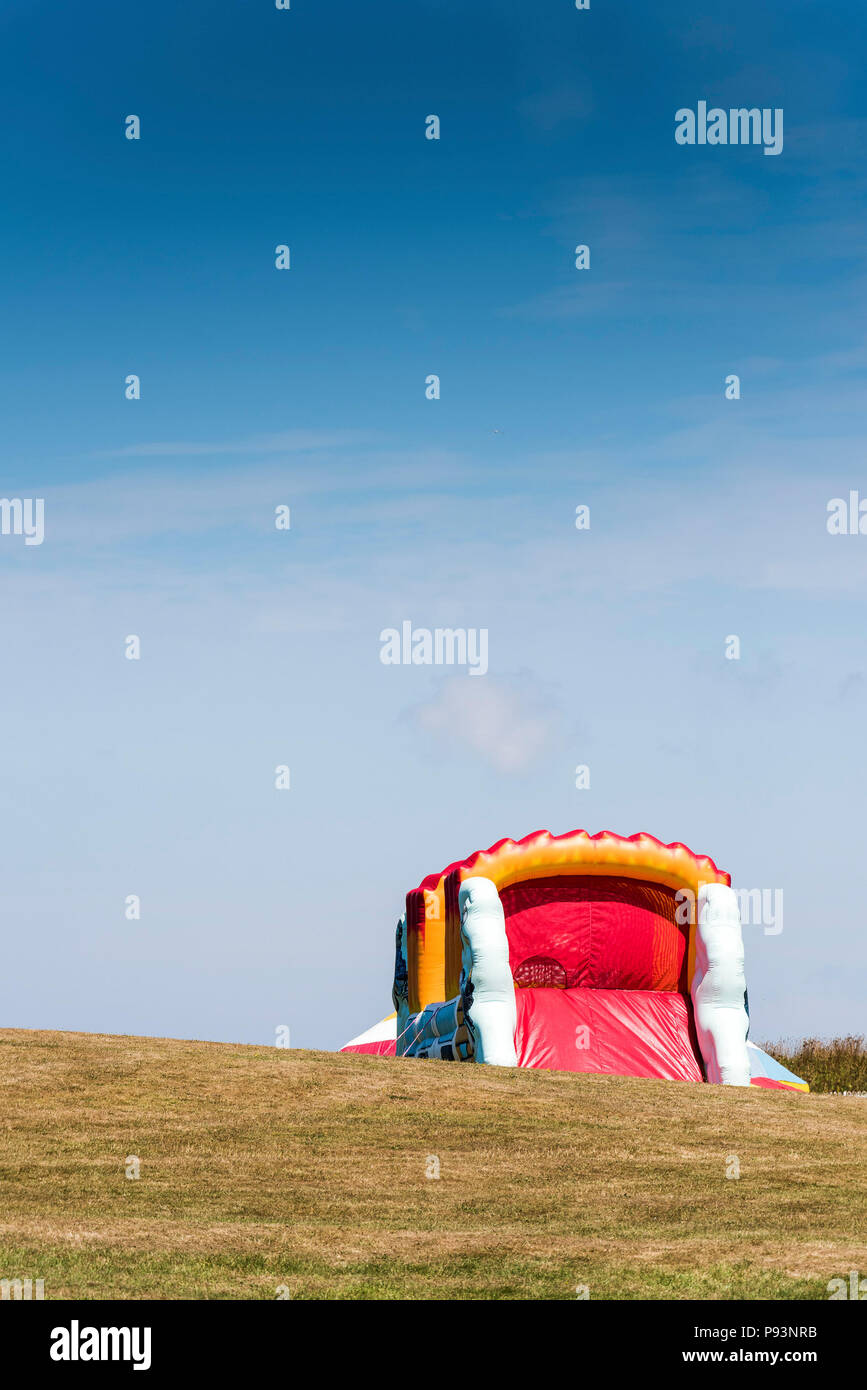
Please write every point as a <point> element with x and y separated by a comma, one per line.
<point>263,1169</point>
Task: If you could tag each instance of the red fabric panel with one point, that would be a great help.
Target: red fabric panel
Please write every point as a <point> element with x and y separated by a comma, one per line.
<point>770,1085</point>
<point>549,918</point>
<point>415,924</point>
<point>629,1032</point>
<point>621,944</point>
<point>602,932</point>
<point>415,910</point>
<point>453,948</point>
<point>670,948</point>
<point>386,1048</point>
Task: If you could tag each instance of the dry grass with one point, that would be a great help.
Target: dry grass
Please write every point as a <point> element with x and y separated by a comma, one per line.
<point>262,1167</point>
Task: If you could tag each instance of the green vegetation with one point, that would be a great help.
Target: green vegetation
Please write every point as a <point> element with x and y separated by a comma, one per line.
<point>839,1065</point>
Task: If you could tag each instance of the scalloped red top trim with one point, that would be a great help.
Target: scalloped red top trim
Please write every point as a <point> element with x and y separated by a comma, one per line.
<point>432,880</point>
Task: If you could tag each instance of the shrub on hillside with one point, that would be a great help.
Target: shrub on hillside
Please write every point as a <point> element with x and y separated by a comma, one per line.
<point>839,1064</point>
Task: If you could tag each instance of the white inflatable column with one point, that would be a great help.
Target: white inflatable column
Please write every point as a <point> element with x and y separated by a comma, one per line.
<point>486,962</point>
<point>718,986</point>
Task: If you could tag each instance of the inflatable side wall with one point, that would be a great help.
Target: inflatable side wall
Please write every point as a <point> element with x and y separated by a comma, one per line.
<point>478,1024</point>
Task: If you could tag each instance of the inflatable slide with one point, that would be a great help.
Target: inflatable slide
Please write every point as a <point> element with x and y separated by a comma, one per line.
<point>578,952</point>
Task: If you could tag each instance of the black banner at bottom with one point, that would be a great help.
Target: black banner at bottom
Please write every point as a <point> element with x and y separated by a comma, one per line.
<point>155,1338</point>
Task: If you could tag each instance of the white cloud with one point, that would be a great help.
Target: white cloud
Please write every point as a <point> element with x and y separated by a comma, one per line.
<point>491,718</point>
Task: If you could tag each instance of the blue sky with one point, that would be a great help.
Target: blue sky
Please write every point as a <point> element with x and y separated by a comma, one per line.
<point>606,387</point>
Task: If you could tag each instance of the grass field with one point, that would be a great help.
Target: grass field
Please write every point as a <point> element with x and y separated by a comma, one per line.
<point>262,1168</point>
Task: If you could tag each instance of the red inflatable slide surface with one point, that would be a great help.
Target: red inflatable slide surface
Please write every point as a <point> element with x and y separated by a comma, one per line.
<point>619,1031</point>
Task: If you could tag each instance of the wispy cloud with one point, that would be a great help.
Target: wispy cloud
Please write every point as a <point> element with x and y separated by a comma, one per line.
<point>495,719</point>
<point>288,442</point>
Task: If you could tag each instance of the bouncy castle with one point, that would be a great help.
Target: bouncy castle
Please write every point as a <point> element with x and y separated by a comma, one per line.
<point>577,952</point>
